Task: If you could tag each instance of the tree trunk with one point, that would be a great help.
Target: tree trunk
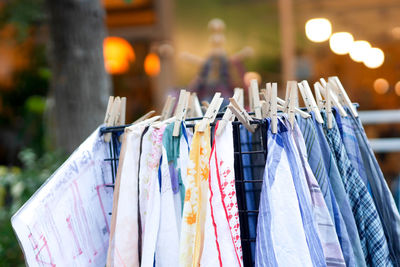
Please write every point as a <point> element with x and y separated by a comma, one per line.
<point>80,84</point>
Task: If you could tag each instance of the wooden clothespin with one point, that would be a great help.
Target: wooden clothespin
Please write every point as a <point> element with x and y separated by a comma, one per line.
<point>256,98</point>
<point>241,114</point>
<point>187,104</point>
<point>211,113</point>
<point>107,119</point>
<point>197,107</point>
<point>282,103</point>
<point>228,115</point>
<point>342,94</point>
<point>328,107</point>
<point>333,97</point>
<point>166,108</point>
<point>318,96</point>
<point>145,117</point>
<point>113,116</point>
<point>273,108</point>
<point>240,99</point>
<point>309,100</point>
<point>122,111</point>
<point>180,112</point>
<point>143,122</point>
<point>290,101</point>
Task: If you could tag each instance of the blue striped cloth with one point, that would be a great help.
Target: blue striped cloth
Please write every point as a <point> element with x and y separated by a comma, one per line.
<point>369,226</point>
<point>340,194</point>
<point>382,196</point>
<point>313,241</point>
<point>281,238</point>
<point>316,162</point>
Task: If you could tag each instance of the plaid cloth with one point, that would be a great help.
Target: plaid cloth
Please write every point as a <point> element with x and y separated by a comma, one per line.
<point>351,144</point>
<point>340,193</point>
<point>370,229</point>
<point>316,162</point>
<point>383,198</point>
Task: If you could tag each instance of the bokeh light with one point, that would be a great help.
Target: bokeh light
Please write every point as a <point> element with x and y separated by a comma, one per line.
<point>318,30</point>
<point>341,42</point>
<point>397,88</point>
<point>152,64</point>
<point>374,58</point>
<point>359,50</point>
<point>381,86</point>
<point>118,55</point>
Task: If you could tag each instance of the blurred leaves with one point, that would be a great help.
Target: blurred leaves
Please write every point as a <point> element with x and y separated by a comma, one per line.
<point>22,14</point>
<point>17,185</point>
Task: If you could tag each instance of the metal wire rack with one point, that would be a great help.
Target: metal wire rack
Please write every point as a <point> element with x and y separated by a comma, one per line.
<point>250,152</point>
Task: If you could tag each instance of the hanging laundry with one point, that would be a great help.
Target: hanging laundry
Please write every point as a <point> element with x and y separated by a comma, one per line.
<point>382,196</point>
<point>317,164</point>
<point>196,196</point>
<point>222,241</point>
<point>281,238</point>
<point>149,192</point>
<point>325,227</point>
<point>369,226</point>
<point>123,247</point>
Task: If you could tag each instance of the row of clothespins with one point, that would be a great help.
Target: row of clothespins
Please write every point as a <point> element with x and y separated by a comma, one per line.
<point>265,103</point>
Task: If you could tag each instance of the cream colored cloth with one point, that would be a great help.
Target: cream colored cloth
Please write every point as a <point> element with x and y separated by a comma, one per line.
<point>123,243</point>
<point>196,196</point>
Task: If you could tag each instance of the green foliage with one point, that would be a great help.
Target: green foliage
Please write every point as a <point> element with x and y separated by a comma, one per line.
<point>16,186</point>
<point>22,14</point>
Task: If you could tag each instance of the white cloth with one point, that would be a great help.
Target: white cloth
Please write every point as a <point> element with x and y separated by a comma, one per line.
<point>288,237</point>
<point>222,242</point>
<point>167,253</point>
<point>149,192</point>
<point>123,246</point>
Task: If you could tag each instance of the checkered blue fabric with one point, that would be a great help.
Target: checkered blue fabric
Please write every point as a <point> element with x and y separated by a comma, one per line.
<point>369,226</point>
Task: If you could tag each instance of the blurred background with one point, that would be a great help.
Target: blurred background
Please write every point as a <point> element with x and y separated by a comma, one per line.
<point>61,59</point>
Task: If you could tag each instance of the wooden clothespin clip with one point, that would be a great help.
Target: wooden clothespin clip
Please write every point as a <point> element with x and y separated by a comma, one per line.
<point>113,117</point>
<point>290,101</point>
<point>187,104</point>
<point>228,115</point>
<point>273,108</point>
<point>240,99</point>
<point>256,98</point>
<point>328,107</point>
<point>309,100</point>
<point>143,122</point>
<point>107,119</point>
<point>122,112</point>
<point>211,113</point>
<point>166,108</point>
<point>318,96</point>
<point>241,114</point>
<point>145,117</point>
<point>282,103</point>
<point>180,112</point>
<point>342,94</point>
<point>332,96</point>
<point>197,107</point>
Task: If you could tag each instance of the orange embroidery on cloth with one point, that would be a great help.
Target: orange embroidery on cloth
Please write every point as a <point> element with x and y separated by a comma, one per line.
<point>191,218</point>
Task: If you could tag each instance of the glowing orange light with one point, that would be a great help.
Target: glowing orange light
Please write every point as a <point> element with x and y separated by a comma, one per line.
<point>152,64</point>
<point>118,55</point>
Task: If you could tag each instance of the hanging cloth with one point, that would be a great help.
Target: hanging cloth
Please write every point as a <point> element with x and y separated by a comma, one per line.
<point>123,244</point>
<point>196,197</point>
<point>149,192</point>
<point>222,243</point>
<point>325,227</point>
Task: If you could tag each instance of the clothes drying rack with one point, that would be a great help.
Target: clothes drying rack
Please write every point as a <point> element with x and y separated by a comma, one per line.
<point>244,212</point>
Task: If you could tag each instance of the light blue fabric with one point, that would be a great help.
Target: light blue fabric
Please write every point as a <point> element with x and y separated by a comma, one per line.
<point>316,162</point>
<point>313,241</point>
<point>340,194</point>
<point>382,196</point>
<point>369,225</point>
